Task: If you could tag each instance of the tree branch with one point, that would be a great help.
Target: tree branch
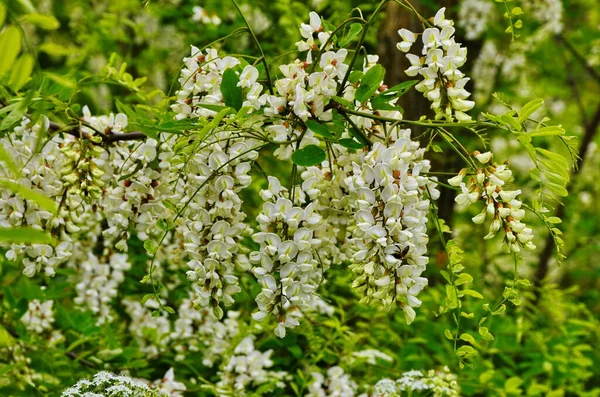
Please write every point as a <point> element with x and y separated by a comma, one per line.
<point>83,361</point>
<point>106,138</point>
<point>588,68</point>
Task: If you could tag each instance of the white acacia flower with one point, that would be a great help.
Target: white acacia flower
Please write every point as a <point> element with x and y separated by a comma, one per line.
<point>408,39</point>
<point>440,20</point>
<point>248,77</point>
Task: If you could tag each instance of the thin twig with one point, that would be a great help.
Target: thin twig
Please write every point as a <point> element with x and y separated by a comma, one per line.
<point>83,361</point>
<point>588,68</point>
<point>106,138</point>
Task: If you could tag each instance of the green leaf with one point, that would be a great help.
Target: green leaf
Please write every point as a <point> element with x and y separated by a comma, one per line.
<point>528,109</point>
<point>62,81</point>
<point>169,309</point>
<point>512,385</point>
<point>21,72</point>
<point>468,338</point>
<point>451,297</point>
<point>370,83</point>
<point>150,246</point>
<point>8,161</point>
<point>6,339</point>
<point>381,102</point>
<point>232,94</point>
<point>319,129</point>
<point>500,310</point>
<point>25,235</point>
<point>10,46</point>
<point>402,88</point>
<point>43,21</point>
<point>359,137</point>
<point>55,49</point>
<point>466,352</point>
<point>553,219</point>
<point>485,333</point>
<point>355,77</point>
<point>41,200</point>
<point>354,31</point>
<point>552,130</point>
<point>557,189</point>
<point>463,278</point>
<point>309,155</point>
<point>555,157</point>
<point>147,297</point>
<point>15,116</point>
<point>448,334</point>
<point>472,293</point>
<point>516,11</point>
<point>350,144</point>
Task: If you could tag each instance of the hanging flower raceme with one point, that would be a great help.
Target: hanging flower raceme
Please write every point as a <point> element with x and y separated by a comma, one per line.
<point>389,236</point>
<point>40,171</point>
<point>287,264</point>
<point>39,316</point>
<point>211,223</point>
<point>247,369</point>
<point>443,83</point>
<point>487,184</point>
<point>335,382</point>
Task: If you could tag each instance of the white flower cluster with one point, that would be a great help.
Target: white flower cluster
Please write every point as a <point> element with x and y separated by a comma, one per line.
<point>136,178</point>
<point>168,386</point>
<point>287,265</point>
<point>548,12</point>
<point>443,84</point>
<point>38,171</point>
<point>389,239</point>
<point>201,83</point>
<point>98,283</point>
<point>486,184</point>
<point>315,36</point>
<point>135,201</point>
<point>152,334</point>
<point>212,221</point>
<point>440,383</point>
<point>197,330</point>
<point>200,15</point>
<point>485,70</point>
<point>370,356</point>
<point>110,385</point>
<point>39,316</point>
<point>336,383</point>
<point>247,369</point>
<point>473,16</point>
